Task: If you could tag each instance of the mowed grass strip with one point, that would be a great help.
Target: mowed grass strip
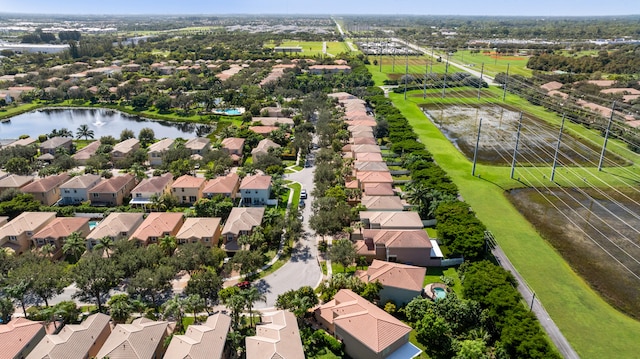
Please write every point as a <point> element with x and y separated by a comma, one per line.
<point>593,327</point>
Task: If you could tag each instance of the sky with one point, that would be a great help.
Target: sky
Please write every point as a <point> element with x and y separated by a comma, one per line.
<point>390,7</point>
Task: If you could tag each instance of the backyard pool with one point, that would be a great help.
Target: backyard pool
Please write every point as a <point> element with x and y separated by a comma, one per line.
<point>439,293</point>
<point>230,111</point>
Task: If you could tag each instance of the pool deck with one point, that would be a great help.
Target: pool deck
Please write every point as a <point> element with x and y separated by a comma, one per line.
<point>429,290</point>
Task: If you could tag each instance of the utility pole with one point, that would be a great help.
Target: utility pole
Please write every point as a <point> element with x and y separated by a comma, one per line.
<point>532,300</point>
<point>515,150</point>
<point>475,150</point>
<point>426,70</point>
<point>606,137</point>
<point>406,74</point>
<point>480,84</point>
<point>393,64</point>
<point>380,62</point>
<point>446,71</point>
<point>555,157</point>
<point>506,81</point>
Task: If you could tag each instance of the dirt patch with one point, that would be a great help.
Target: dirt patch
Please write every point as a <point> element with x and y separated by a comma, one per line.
<point>498,137</point>
<point>582,225</point>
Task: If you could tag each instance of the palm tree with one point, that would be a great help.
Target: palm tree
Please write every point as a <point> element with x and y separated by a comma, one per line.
<point>236,303</point>
<point>84,131</point>
<point>195,304</point>
<point>251,296</point>
<point>105,244</point>
<point>174,309</point>
<point>168,244</point>
<point>74,245</point>
<point>138,171</point>
<point>65,132</point>
<point>48,249</point>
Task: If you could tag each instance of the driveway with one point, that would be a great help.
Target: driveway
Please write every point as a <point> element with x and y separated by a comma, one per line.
<point>303,267</point>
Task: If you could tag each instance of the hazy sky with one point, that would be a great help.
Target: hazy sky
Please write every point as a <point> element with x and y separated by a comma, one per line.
<point>391,7</point>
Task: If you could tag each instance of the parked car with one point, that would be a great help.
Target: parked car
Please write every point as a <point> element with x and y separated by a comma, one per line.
<point>303,194</point>
<point>301,204</point>
<point>244,284</point>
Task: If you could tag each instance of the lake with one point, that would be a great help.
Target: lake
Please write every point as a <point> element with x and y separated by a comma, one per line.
<point>103,122</point>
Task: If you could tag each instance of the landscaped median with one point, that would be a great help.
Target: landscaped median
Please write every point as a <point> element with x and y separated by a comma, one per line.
<point>593,327</point>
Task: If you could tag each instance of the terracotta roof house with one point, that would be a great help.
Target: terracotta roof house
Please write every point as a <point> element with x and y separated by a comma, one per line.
<point>188,189</point>
<point>123,149</point>
<point>382,203</point>
<point>391,220</point>
<point>273,121</point>
<point>46,190</point>
<point>19,337</point>
<point>364,141</point>
<point>403,246</point>
<point>158,225</point>
<point>142,339</point>
<point>367,331</point>
<point>234,147</point>
<point>241,221</point>
<point>51,145</point>
<point>550,86</point>
<point>198,145</point>
<point>14,182</point>
<point>16,235</point>
<point>369,157</point>
<point>143,193</point>
<point>355,149</point>
<point>255,190</point>
<point>277,336</point>
<point>204,230</point>
<point>86,152</point>
<point>367,166</point>
<point>202,341</point>
<point>378,189</point>
<point>117,226</point>
<point>367,177</point>
<point>400,282</point>
<point>112,191</point>
<point>158,149</point>
<point>263,130</point>
<point>226,186</point>
<point>57,231</point>
<point>342,96</point>
<point>76,190</point>
<point>75,340</point>
<point>29,141</point>
<point>331,69</point>
<point>4,220</point>
<point>263,148</point>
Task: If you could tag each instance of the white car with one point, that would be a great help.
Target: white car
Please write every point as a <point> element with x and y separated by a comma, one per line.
<point>303,194</point>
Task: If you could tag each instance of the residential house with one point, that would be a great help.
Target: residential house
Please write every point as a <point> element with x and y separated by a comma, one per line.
<point>234,147</point>
<point>355,149</point>
<point>156,186</point>
<point>400,282</point>
<point>14,182</point>
<point>367,331</point>
<point>383,203</point>
<point>402,246</point>
<point>19,337</point>
<point>46,190</point>
<point>203,341</point>
<point>75,340</point>
<point>57,231</point>
<point>52,145</point>
<point>226,186</point>
<point>329,69</point>
<point>277,336</point>
<point>158,149</point>
<point>198,145</point>
<point>378,189</point>
<point>369,157</point>
<point>123,149</point>
<point>241,221</point>
<point>117,226</point>
<point>142,339</point>
<point>112,191</point>
<point>263,148</point>
<point>29,141</point>
<point>367,177</point>
<point>86,152</point>
<point>156,226</point>
<point>188,189</point>
<point>391,220</point>
<point>204,230</point>
<point>255,190</point>
<point>3,220</point>
<point>263,130</point>
<point>16,235</point>
<point>76,190</point>
<point>273,121</point>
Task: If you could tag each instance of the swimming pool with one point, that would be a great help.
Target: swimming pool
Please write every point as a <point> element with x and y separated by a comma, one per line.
<point>230,111</point>
<point>439,293</point>
<point>93,224</point>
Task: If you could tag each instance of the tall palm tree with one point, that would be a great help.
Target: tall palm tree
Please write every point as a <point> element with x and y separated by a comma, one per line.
<point>84,131</point>
<point>65,132</point>
<point>251,296</point>
<point>105,244</point>
<point>74,245</point>
<point>138,171</point>
<point>168,244</point>
<point>236,303</point>
<point>48,250</point>
<point>174,308</point>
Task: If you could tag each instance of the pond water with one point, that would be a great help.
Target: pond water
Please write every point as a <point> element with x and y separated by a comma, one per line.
<point>103,122</point>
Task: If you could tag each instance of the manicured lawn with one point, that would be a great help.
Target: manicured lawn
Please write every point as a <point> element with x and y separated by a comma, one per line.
<point>10,111</point>
<point>413,340</point>
<point>312,48</point>
<point>575,307</point>
<point>296,187</point>
<point>434,274</point>
<point>493,64</point>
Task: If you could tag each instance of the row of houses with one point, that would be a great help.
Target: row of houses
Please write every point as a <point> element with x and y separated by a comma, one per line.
<point>98,337</point>
<point>389,230</point>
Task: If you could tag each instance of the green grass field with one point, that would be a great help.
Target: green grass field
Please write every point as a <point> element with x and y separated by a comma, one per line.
<point>577,309</point>
<point>493,63</point>
<point>313,48</point>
